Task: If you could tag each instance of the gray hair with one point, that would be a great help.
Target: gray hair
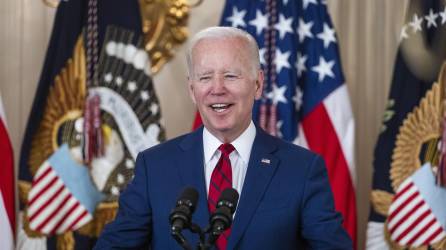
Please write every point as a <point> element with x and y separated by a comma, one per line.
<point>219,32</point>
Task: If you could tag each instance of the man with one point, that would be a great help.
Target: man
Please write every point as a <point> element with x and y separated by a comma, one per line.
<point>285,201</point>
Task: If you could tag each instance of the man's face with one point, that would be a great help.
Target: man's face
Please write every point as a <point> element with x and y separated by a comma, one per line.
<point>223,85</point>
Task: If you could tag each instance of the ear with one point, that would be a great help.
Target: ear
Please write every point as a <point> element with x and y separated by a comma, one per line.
<point>259,84</point>
<point>190,87</point>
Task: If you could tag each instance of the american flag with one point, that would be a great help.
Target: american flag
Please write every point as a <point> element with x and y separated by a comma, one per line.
<point>305,99</point>
<point>416,215</point>
<point>62,196</point>
<point>7,196</point>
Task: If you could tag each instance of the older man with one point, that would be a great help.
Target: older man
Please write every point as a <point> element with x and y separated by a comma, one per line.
<point>285,201</point>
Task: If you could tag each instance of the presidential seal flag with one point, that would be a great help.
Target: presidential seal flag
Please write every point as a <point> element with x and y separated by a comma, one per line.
<point>407,205</point>
<point>305,98</point>
<point>95,108</point>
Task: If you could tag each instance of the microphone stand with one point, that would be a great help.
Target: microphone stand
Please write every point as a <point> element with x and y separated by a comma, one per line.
<point>194,228</point>
<point>197,229</point>
<point>179,237</point>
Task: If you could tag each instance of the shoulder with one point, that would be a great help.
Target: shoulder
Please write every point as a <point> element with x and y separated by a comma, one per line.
<point>175,145</point>
<point>167,147</point>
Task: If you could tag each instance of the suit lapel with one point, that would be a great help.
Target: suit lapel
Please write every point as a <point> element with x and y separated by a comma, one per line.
<point>191,169</point>
<point>261,168</point>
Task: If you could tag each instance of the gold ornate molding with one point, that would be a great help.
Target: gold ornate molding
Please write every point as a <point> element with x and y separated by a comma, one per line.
<point>164,24</point>
<point>51,3</point>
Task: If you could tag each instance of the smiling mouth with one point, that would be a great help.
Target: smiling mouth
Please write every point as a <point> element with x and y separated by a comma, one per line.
<point>220,107</point>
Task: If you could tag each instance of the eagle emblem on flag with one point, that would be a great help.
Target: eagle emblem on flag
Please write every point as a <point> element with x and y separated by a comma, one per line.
<point>411,217</point>
<point>130,119</point>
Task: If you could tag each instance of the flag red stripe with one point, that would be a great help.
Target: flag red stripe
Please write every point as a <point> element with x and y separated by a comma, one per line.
<point>73,224</point>
<point>43,175</point>
<point>434,234</point>
<point>50,200</point>
<point>197,121</point>
<point>47,186</point>
<point>60,222</point>
<point>405,217</point>
<point>415,237</point>
<point>413,224</point>
<point>51,216</point>
<point>404,190</point>
<point>7,175</point>
<point>322,138</point>
<point>404,204</point>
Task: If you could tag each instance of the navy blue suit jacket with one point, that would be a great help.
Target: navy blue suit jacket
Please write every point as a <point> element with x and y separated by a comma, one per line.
<point>285,203</point>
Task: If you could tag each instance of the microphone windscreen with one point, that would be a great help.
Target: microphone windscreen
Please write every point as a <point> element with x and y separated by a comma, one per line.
<point>189,195</point>
<point>229,197</point>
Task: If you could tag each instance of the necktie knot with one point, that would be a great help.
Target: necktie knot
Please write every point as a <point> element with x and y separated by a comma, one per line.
<point>226,149</point>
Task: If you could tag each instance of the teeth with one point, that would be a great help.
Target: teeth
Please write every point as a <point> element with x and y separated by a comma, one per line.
<point>219,105</point>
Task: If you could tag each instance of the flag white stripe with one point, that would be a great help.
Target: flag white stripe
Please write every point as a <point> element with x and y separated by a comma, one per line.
<point>429,232</point>
<point>401,228</point>
<point>400,200</point>
<point>301,140</point>
<point>73,215</point>
<point>50,208</point>
<point>417,228</point>
<point>55,203</point>
<point>439,237</point>
<point>338,107</point>
<point>85,219</point>
<point>35,189</point>
<point>410,220</point>
<point>395,220</point>
<point>44,197</point>
<point>404,184</point>
<point>52,223</point>
<point>6,234</point>
<point>42,169</point>
<point>375,236</point>
<point>404,211</point>
<point>2,112</point>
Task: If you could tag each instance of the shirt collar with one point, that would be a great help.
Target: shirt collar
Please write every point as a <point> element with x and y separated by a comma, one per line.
<point>242,144</point>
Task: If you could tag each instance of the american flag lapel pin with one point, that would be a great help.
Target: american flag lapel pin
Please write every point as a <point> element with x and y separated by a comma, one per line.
<point>266,161</point>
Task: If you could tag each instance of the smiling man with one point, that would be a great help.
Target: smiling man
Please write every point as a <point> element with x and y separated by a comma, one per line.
<point>285,198</point>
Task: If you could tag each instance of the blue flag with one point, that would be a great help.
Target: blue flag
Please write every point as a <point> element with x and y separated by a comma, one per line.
<point>409,137</point>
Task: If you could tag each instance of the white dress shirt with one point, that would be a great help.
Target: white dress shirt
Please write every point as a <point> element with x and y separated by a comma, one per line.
<point>239,157</point>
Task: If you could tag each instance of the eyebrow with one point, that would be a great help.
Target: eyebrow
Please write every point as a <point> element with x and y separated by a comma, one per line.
<point>235,71</point>
<point>205,71</point>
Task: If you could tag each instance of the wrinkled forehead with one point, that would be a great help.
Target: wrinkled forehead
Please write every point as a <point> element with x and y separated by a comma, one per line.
<point>226,44</point>
<point>222,50</point>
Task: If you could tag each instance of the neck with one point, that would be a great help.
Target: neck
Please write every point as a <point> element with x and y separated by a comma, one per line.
<point>228,136</point>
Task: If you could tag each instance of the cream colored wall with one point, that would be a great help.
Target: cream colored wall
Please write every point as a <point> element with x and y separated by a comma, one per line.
<point>368,31</point>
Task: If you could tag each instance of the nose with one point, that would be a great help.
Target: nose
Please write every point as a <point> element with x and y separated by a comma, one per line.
<point>218,86</point>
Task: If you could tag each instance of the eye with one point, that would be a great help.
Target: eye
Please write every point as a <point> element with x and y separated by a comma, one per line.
<point>231,76</point>
<point>204,78</point>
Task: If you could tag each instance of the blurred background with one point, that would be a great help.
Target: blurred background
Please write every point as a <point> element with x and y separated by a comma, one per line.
<point>368,33</point>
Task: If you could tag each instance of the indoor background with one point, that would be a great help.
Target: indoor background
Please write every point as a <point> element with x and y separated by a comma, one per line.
<point>368,32</point>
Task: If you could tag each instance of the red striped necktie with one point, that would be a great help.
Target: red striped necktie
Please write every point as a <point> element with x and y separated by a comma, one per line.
<point>221,179</point>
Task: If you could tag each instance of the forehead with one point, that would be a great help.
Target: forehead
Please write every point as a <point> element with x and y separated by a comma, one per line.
<point>209,47</point>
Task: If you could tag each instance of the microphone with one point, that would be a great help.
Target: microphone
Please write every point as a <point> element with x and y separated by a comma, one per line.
<point>221,219</point>
<point>181,215</point>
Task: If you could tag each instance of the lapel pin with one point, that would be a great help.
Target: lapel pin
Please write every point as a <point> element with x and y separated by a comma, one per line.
<point>267,161</point>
